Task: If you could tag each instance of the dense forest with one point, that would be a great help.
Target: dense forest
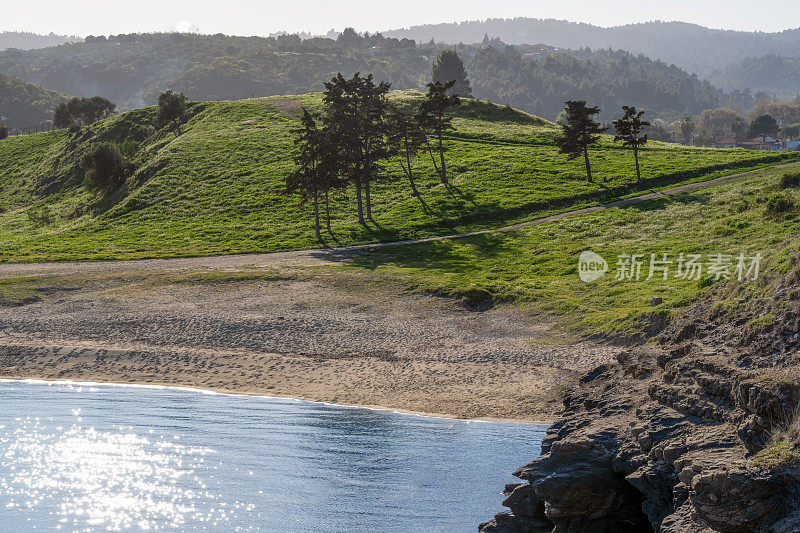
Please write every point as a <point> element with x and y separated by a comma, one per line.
<point>695,48</point>
<point>131,70</point>
<point>24,105</point>
<point>777,74</point>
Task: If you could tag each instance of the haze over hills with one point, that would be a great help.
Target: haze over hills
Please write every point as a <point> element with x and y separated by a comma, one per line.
<point>26,105</point>
<point>690,46</point>
<point>131,70</point>
<point>777,74</point>
<point>30,41</point>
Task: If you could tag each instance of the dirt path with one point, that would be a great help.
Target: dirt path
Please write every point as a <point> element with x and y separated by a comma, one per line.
<point>324,255</point>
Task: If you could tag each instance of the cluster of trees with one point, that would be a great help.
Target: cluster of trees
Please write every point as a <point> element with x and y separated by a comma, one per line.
<point>357,131</point>
<point>580,130</point>
<point>82,111</point>
<point>766,118</point>
<point>24,105</point>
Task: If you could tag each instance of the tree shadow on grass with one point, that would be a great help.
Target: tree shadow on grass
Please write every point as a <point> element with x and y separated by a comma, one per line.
<point>450,255</point>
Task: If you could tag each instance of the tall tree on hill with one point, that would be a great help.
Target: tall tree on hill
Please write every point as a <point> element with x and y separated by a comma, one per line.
<point>579,132</point>
<point>449,67</point>
<point>763,125</point>
<point>315,173</point>
<point>406,138</point>
<point>171,108</point>
<point>629,131</point>
<point>356,120</point>
<point>434,118</point>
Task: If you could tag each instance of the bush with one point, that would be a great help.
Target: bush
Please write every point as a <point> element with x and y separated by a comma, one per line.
<point>128,149</point>
<point>3,132</point>
<point>105,166</point>
<point>779,204</point>
<point>789,180</point>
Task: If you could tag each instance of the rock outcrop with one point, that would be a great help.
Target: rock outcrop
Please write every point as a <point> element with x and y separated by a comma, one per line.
<point>695,433</point>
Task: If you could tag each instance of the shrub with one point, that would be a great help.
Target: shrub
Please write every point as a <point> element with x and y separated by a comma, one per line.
<point>128,148</point>
<point>105,166</point>
<point>779,204</point>
<point>789,180</point>
<point>82,111</point>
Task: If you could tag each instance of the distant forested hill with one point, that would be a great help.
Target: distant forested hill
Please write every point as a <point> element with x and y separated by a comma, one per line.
<point>132,69</point>
<point>777,74</point>
<point>29,41</point>
<point>692,47</point>
<point>26,105</point>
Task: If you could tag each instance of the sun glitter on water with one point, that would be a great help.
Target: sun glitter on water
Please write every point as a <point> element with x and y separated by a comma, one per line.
<point>113,480</point>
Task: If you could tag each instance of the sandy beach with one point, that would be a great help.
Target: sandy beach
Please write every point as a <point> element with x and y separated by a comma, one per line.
<point>285,325</point>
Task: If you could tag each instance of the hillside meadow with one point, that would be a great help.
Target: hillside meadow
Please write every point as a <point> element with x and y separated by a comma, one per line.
<point>537,267</point>
<point>217,188</point>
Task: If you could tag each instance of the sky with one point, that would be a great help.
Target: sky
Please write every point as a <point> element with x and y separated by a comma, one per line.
<point>253,17</point>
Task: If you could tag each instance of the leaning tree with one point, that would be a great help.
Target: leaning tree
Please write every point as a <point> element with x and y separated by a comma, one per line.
<point>406,138</point>
<point>435,119</point>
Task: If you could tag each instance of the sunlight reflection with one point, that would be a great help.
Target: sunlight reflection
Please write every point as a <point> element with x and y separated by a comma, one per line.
<point>112,480</point>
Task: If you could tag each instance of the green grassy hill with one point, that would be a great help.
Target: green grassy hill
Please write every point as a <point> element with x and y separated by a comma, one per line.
<point>537,266</point>
<point>217,188</point>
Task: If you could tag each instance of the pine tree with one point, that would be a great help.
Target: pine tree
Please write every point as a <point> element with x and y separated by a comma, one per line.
<point>629,129</point>
<point>316,172</point>
<point>433,117</point>
<point>579,132</point>
<point>449,67</point>
<point>356,121</point>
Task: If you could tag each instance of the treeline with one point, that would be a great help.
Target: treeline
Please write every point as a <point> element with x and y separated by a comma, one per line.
<point>24,40</point>
<point>132,70</point>
<point>690,46</point>
<point>358,130</point>
<point>775,119</point>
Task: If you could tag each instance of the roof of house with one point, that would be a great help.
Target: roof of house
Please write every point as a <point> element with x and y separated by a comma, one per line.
<point>726,140</point>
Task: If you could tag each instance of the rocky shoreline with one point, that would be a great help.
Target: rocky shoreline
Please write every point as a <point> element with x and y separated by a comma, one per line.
<point>697,433</point>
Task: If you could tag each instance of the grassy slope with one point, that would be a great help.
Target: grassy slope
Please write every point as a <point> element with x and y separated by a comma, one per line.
<point>216,188</point>
<point>537,266</point>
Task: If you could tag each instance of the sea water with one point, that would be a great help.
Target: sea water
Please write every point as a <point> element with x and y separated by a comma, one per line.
<point>88,457</point>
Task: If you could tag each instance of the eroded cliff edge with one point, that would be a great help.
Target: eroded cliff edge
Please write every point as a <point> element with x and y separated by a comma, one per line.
<point>695,433</point>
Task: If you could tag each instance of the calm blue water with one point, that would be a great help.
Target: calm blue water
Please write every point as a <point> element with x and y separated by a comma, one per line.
<point>110,458</point>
